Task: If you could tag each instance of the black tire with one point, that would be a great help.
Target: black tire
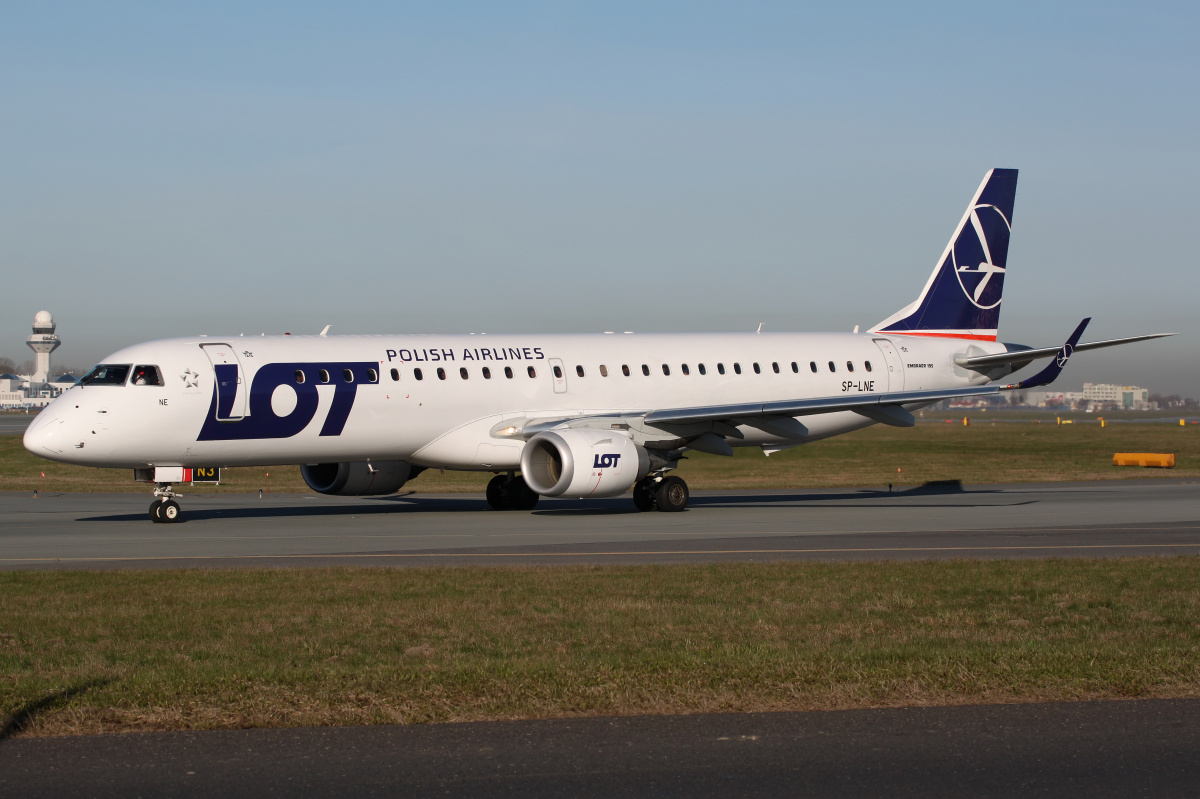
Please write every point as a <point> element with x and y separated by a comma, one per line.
<point>643,495</point>
<point>170,511</point>
<point>672,495</point>
<point>521,496</point>
<point>155,508</point>
<point>497,493</point>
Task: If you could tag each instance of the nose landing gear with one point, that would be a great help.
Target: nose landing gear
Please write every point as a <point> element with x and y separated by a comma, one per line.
<point>164,509</point>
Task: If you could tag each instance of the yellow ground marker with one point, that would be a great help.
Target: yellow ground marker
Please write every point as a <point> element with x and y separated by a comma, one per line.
<point>1162,460</point>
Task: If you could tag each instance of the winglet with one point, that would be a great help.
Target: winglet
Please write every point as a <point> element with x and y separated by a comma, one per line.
<point>1050,373</point>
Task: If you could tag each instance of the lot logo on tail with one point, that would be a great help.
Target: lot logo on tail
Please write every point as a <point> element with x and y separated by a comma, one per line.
<point>981,279</point>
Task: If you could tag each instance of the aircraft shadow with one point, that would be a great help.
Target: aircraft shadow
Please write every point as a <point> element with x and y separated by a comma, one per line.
<point>611,506</point>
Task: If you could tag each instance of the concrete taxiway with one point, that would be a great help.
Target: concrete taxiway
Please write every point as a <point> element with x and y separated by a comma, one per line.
<point>1095,749</point>
<point>1160,517</point>
<point>15,423</point>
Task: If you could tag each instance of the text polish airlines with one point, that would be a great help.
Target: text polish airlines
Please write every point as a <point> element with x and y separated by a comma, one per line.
<point>553,415</point>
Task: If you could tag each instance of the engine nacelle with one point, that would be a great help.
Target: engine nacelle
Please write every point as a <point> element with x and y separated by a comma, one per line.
<point>582,463</point>
<point>358,479</point>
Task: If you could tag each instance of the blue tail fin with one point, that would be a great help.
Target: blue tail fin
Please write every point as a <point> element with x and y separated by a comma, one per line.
<point>962,297</point>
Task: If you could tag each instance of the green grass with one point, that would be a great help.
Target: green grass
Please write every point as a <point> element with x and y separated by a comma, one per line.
<point>156,650</point>
<point>984,452</point>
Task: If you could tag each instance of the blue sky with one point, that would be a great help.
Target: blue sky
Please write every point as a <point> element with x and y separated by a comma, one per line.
<point>172,169</point>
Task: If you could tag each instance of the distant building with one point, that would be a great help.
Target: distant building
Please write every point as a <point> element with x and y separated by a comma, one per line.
<point>1098,397</point>
<point>37,389</point>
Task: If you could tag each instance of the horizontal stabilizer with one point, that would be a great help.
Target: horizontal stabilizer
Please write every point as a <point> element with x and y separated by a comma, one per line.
<point>1025,356</point>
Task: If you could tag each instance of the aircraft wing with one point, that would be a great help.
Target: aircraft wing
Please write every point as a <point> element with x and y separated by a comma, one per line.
<point>778,416</point>
<point>886,404</point>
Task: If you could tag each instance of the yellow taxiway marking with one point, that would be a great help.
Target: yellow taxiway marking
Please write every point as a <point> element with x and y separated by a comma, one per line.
<point>413,555</point>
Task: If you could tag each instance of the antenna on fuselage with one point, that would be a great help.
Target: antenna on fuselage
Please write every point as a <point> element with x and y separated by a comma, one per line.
<point>326,330</point>
<point>760,324</point>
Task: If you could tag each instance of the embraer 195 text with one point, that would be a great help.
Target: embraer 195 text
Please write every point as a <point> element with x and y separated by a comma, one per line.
<point>553,415</point>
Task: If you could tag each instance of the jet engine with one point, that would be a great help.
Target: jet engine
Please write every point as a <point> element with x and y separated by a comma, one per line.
<point>582,463</point>
<point>361,479</point>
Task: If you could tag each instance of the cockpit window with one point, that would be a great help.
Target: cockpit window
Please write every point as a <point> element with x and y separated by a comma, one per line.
<point>146,376</point>
<point>106,374</point>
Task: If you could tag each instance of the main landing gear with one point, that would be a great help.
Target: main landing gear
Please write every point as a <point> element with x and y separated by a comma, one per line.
<point>510,492</point>
<point>164,509</point>
<point>668,494</point>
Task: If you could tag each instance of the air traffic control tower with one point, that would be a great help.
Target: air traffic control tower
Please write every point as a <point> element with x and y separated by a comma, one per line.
<point>43,342</point>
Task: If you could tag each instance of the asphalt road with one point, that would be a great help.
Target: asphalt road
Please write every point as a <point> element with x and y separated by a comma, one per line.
<point>1103,749</point>
<point>1037,520</point>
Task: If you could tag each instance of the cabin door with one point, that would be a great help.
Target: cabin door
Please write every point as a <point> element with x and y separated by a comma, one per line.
<point>231,384</point>
<point>895,366</point>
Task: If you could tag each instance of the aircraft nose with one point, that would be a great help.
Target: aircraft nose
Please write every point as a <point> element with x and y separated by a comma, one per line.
<point>45,436</point>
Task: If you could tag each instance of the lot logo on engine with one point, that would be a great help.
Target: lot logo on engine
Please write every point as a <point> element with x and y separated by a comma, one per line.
<point>604,461</point>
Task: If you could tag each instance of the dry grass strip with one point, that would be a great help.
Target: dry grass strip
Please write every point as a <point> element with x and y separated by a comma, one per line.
<point>169,650</point>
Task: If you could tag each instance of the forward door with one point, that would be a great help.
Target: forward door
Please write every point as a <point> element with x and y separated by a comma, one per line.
<point>231,384</point>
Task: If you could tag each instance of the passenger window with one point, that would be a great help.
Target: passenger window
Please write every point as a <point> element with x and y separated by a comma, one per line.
<point>487,373</point>
<point>441,373</point>
<point>702,369</point>
<point>625,369</point>
<point>348,375</point>
<point>462,372</point>
<point>737,368</point>
<point>867,364</point>
<point>795,368</point>
<point>417,374</point>
<point>557,372</point>
<point>603,370</point>
<point>666,370</point>
<point>372,376</point>
<point>106,375</point>
<point>508,372</point>
<point>146,376</point>
<point>813,365</point>
<point>849,366</point>
<point>579,370</point>
<point>720,368</point>
<point>532,372</point>
<point>300,375</point>
<point>832,368</point>
<point>645,370</point>
<point>395,374</point>
<point>684,369</point>
<point>775,367</point>
<point>323,375</point>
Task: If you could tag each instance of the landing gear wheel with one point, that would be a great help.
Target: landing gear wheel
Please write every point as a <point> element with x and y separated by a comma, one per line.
<point>497,493</point>
<point>155,510</point>
<point>169,512</point>
<point>521,496</point>
<point>672,495</point>
<point>643,495</point>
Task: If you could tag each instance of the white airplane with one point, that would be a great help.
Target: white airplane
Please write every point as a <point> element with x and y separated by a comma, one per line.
<point>554,415</point>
